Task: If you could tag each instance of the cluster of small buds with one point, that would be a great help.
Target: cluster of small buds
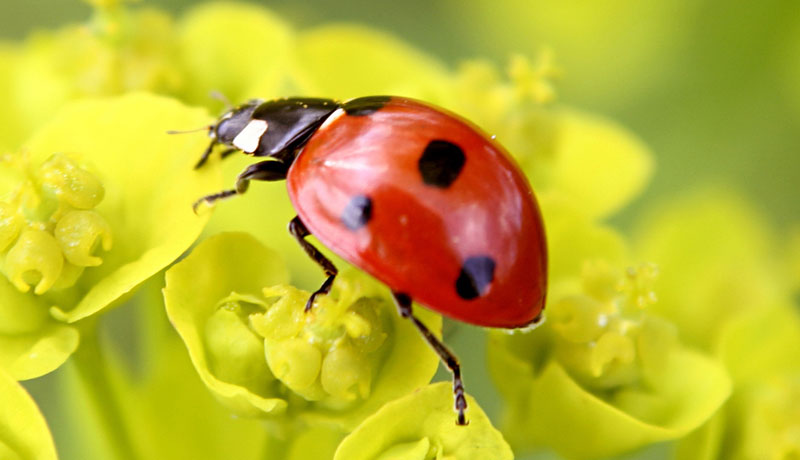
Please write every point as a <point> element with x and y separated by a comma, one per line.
<point>602,334</point>
<point>49,231</point>
<point>328,355</point>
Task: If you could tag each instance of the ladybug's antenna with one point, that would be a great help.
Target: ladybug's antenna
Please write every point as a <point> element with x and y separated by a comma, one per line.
<point>221,97</point>
<point>185,131</point>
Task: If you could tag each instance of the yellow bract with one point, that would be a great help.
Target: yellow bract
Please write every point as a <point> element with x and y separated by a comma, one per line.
<point>422,426</point>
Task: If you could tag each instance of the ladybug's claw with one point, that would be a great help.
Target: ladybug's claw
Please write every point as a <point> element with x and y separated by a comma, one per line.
<point>210,199</point>
<point>324,289</point>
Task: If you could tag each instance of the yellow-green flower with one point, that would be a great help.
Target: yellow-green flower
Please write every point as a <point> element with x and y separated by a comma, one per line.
<point>716,258</point>
<point>261,354</point>
<point>761,349</point>
<point>23,431</point>
<point>238,49</point>
<point>110,55</point>
<point>98,201</point>
<point>602,376</point>
<point>574,158</point>
<point>420,426</point>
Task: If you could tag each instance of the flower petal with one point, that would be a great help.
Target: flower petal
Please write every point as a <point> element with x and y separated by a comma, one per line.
<point>598,165</point>
<point>347,61</point>
<point>221,264</point>
<point>31,343</point>
<point>149,186</point>
<point>421,425</point>
<point>713,249</point>
<point>238,49</point>
<point>23,430</point>
<point>550,409</point>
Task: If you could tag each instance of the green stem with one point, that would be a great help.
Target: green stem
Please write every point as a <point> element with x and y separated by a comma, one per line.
<point>92,377</point>
<point>275,447</point>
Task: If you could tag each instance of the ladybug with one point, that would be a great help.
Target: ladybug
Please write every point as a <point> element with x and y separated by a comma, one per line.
<point>416,196</point>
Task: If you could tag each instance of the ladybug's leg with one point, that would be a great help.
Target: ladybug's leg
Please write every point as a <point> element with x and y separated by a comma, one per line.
<point>206,154</point>
<point>268,170</point>
<point>300,232</point>
<point>227,152</point>
<point>403,302</point>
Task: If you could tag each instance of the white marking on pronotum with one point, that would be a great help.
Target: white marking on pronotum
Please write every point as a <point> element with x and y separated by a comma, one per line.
<point>331,118</point>
<point>248,138</point>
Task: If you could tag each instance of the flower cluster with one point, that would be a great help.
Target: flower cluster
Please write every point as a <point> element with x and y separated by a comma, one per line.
<point>671,334</point>
<point>49,228</point>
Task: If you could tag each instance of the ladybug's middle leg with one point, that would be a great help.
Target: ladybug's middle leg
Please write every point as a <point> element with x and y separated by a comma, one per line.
<point>403,302</point>
<point>299,231</point>
<point>268,170</point>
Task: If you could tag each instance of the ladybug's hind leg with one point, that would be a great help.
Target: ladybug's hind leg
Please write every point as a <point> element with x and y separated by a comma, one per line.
<point>268,170</point>
<point>300,232</point>
<point>403,302</point>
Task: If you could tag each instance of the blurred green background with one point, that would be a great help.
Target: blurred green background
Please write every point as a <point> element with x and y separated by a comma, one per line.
<point>712,86</point>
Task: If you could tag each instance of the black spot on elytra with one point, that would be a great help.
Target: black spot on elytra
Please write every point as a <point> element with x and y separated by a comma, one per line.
<point>476,275</point>
<point>441,163</point>
<point>357,212</point>
<point>365,105</point>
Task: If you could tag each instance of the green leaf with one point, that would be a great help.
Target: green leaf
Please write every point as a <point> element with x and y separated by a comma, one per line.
<point>422,426</point>
<point>149,188</point>
<point>238,49</point>
<point>548,408</point>
<point>23,430</point>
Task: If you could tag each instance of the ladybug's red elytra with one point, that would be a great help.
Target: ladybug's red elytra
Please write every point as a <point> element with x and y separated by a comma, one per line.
<point>418,197</point>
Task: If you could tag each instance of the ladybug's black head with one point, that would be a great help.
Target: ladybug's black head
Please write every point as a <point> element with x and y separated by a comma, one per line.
<point>232,122</point>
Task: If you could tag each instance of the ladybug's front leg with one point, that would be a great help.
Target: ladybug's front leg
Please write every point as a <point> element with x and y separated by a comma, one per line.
<point>268,170</point>
<point>403,302</point>
<point>300,232</point>
<point>209,149</point>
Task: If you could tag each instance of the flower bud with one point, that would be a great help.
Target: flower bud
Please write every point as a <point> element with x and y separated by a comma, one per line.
<point>610,353</point>
<point>578,318</point>
<point>600,280</point>
<point>10,225</point>
<point>296,363</point>
<point>35,259</point>
<point>369,332</point>
<point>71,183</point>
<point>69,276</point>
<point>236,354</point>
<point>78,233</point>
<point>285,317</point>
<point>346,374</point>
